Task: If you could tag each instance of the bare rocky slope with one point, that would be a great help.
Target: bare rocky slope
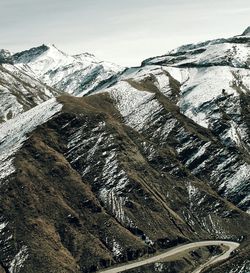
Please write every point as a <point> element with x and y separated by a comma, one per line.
<point>155,156</point>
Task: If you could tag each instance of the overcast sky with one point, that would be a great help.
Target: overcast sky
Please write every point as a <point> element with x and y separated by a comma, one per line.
<point>121,31</point>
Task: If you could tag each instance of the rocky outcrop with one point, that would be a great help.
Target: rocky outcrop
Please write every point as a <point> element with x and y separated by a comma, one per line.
<point>5,57</point>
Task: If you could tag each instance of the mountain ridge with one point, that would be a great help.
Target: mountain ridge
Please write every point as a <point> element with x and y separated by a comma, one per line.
<point>72,73</point>
<point>135,161</point>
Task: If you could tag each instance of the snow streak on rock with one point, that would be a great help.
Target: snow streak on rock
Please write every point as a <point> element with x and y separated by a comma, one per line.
<point>14,132</point>
<point>115,181</point>
<point>19,92</point>
<point>17,263</point>
<point>111,178</point>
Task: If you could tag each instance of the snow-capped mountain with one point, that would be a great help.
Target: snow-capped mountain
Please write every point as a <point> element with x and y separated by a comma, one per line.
<point>155,156</point>
<point>33,76</point>
<point>232,52</point>
<point>212,93</point>
<point>212,74</point>
<point>75,74</point>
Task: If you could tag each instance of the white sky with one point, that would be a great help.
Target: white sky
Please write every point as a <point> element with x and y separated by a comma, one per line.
<point>122,31</point>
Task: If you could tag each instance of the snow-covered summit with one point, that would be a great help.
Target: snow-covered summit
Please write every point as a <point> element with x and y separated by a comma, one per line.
<point>76,74</point>
<point>29,55</point>
<point>233,52</point>
<point>42,59</point>
<point>33,76</point>
<point>204,71</point>
<point>86,55</point>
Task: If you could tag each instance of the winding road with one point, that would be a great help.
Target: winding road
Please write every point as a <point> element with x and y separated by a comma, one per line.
<point>177,250</point>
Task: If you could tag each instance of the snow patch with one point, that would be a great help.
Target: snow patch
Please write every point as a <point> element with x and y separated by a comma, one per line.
<point>18,262</point>
<point>115,180</point>
<point>137,107</point>
<point>203,86</point>
<point>159,267</point>
<point>192,193</point>
<point>14,132</point>
<point>3,226</point>
<point>198,154</point>
<point>240,177</point>
<point>116,248</point>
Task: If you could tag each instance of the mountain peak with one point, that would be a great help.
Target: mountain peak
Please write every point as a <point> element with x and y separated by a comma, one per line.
<point>27,56</point>
<point>32,54</point>
<point>246,32</point>
<point>53,48</point>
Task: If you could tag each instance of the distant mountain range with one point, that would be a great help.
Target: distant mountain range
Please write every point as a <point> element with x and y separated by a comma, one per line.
<point>101,164</point>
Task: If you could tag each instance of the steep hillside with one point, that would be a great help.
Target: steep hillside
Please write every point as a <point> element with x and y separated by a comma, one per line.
<point>76,190</point>
<point>20,92</point>
<point>215,81</point>
<point>213,94</point>
<point>155,156</point>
